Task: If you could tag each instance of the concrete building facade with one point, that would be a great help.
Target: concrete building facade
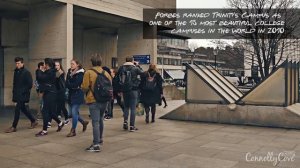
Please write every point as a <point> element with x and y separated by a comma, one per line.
<point>71,29</point>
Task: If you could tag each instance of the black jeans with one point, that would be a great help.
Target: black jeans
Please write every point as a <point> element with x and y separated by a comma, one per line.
<point>164,100</point>
<point>49,109</point>
<point>21,107</point>
<point>153,110</point>
<point>119,101</point>
<point>61,106</point>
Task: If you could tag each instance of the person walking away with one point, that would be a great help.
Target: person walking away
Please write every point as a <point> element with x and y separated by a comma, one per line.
<point>129,81</point>
<point>151,91</point>
<point>22,84</point>
<point>76,96</point>
<point>36,84</point>
<point>98,88</point>
<point>48,89</point>
<point>61,90</point>
<point>117,90</point>
<point>108,115</point>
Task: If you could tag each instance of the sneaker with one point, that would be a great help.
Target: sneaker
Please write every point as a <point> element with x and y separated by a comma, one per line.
<point>49,125</point>
<point>125,126</point>
<point>59,116</point>
<point>133,129</point>
<point>84,126</point>
<point>33,125</point>
<point>93,148</point>
<point>10,130</point>
<point>60,127</point>
<point>165,106</point>
<point>67,121</point>
<point>41,133</point>
<point>107,118</point>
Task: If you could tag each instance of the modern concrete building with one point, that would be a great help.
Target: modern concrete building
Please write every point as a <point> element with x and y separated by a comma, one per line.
<point>67,29</point>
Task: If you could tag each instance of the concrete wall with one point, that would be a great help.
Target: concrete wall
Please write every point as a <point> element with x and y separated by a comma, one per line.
<point>131,42</point>
<point>90,42</point>
<point>269,116</point>
<point>51,33</point>
<point>127,8</point>
<point>15,42</point>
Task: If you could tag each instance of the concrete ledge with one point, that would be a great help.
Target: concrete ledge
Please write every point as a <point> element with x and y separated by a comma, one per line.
<point>173,93</point>
<point>269,116</point>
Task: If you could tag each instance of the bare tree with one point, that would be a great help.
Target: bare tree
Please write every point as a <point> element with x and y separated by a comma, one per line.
<point>267,50</point>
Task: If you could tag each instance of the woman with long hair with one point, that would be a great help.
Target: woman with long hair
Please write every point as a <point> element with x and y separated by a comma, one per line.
<point>151,91</point>
<point>61,90</point>
<point>76,96</point>
<point>47,86</point>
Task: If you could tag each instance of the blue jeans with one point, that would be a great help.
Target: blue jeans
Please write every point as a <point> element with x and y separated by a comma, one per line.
<point>74,111</point>
<point>130,102</point>
<point>97,111</point>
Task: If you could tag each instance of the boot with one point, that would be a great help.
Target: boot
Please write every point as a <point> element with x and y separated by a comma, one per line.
<point>147,119</point>
<point>33,125</point>
<point>153,117</point>
<point>72,133</point>
<point>10,130</point>
<point>84,126</point>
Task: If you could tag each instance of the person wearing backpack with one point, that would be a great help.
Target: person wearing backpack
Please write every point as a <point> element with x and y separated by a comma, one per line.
<point>97,85</point>
<point>76,96</point>
<point>151,91</point>
<point>129,81</point>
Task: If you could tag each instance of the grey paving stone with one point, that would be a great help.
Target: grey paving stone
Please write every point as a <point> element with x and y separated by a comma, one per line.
<point>201,162</point>
<point>54,148</point>
<point>81,164</point>
<point>44,159</point>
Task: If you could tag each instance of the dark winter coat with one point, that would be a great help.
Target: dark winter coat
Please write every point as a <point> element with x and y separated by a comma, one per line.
<point>136,72</point>
<point>73,83</point>
<point>60,83</point>
<point>154,96</point>
<point>22,85</point>
<point>47,81</point>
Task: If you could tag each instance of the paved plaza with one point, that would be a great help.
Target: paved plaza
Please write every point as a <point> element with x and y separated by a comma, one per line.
<point>164,144</point>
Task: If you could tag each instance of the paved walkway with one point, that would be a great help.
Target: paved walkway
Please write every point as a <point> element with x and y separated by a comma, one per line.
<point>164,144</point>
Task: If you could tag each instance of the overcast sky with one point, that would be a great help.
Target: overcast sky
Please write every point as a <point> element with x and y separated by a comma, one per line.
<point>202,4</point>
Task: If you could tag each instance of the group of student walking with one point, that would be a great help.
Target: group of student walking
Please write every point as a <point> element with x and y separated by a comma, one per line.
<point>98,87</point>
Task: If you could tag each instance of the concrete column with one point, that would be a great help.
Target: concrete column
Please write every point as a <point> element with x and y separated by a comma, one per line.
<point>14,40</point>
<point>131,42</point>
<point>51,33</point>
<point>69,54</point>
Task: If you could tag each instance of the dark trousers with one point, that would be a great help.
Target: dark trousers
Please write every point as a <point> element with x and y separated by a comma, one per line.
<point>119,101</point>
<point>61,106</point>
<point>153,110</point>
<point>21,107</point>
<point>49,109</point>
<point>164,100</point>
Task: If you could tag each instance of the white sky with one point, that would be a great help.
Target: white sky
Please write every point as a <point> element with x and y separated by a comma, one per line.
<point>201,4</point>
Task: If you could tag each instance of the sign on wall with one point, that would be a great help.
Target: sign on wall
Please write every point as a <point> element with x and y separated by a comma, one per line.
<point>142,59</point>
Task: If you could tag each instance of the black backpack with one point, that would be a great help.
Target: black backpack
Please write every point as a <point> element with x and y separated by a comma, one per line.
<point>103,90</point>
<point>150,83</point>
<point>125,79</point>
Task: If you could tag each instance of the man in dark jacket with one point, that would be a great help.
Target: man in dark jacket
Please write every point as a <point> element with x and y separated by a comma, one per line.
<point>130,91</point>
<point>22,85</point>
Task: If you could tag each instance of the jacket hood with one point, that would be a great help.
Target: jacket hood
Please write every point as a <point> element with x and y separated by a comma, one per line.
<point>80,70</point>
<point>128,63</point>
